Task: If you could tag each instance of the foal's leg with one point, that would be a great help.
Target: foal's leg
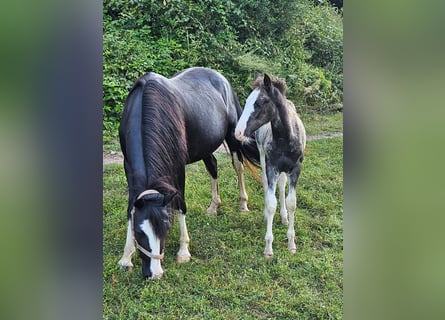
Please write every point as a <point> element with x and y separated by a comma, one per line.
<point>291,205</point>
<point>281,190</point>
<point>270,205</point>
<point>211,165</point>
<point>129,249</point>
<point>183,254</point>
<point>239,168</point>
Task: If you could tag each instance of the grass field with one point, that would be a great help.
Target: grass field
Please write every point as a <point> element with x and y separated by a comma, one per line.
<point>227,277</point>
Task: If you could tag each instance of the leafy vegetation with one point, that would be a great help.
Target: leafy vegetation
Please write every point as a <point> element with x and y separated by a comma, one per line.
<point>228,278</point>
<point>300,41</point>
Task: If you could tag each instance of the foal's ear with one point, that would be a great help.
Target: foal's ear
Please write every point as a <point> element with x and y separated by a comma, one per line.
<point>267,83</point>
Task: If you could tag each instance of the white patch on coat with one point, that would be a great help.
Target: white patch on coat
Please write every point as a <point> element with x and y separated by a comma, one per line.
<point>155,245</point>
<point>248,109</point>
<point>183,254</point>
<point>129,249</point>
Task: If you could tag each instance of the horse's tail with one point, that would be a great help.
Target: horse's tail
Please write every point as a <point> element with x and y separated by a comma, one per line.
<point>249,150</point>
<point>251,156</point>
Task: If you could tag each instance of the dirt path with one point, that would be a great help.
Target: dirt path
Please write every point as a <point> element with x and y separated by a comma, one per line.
<point>117,157</point>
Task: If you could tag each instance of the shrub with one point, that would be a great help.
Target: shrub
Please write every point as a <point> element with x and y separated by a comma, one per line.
<point>296,40</point>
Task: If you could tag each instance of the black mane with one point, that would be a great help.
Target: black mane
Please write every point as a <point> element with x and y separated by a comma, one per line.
<point>164,146</point>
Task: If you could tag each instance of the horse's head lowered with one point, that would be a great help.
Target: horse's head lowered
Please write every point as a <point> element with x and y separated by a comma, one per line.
<point>261,106</point>
<point>150,220</point>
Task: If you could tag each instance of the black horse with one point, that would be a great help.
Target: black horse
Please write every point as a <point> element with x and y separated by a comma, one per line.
<point>166,124</point>
<point>281,139</point>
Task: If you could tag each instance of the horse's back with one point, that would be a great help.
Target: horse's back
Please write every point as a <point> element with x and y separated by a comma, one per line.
<point>209,109</point>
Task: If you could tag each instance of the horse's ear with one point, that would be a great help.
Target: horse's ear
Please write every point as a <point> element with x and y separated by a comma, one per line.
<point>139,203</point>
<point>256,76</point>
<point>168,198</point>
<point>267,83</point>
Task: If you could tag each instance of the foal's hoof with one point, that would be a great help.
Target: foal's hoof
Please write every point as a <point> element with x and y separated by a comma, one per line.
<point>268,254</point>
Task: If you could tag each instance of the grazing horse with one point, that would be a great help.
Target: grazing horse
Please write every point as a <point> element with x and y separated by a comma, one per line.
<point>281,140</point>
<point>166,124</point>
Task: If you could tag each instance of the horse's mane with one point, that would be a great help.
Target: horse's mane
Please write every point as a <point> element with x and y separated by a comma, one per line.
<point>163,136</point>
<point>280,84</point>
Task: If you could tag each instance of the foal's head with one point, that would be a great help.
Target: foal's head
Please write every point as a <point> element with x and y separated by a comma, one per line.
<point>261,105</point>
<point>151,220</point>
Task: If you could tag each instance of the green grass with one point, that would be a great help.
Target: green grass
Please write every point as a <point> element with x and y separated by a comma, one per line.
<point>227,277</point>
<point>322,124</point>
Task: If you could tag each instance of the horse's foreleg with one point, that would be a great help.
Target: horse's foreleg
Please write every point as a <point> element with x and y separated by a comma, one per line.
<point>183,254</point>
<point>239,168</point>
<point>281,190</point>
<point>212,168</point>
<point>129,249</point>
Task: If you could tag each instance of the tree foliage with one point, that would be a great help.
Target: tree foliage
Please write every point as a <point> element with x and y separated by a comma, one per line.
<point>300,41</point>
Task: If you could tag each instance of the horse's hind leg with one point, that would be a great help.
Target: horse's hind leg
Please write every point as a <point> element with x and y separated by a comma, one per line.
<point>281,190</point>
<point>212,168</point>
<point>239,168</point>
<point>129,249</point>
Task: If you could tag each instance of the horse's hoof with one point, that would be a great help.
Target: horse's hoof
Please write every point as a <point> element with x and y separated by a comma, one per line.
<point>293,251</point>
<point>127,266</point>
<point>285,221</point>
<point>182,259</point>
<point>244,210</point>
<point>212,211</point>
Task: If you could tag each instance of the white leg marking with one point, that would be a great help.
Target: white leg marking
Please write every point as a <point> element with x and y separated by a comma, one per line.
<point>247,111</point>
<point>281,190</point>
<point>216,200</point>
<point>155,245</point>
<point>291,204</point>
<point>263,169</point>
<point>183,254</point>
<point>239,168</point>
<point>269,212</point>
<point>129,249</point>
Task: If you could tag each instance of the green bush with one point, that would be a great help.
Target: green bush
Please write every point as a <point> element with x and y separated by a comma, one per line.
<point>296,40</point>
